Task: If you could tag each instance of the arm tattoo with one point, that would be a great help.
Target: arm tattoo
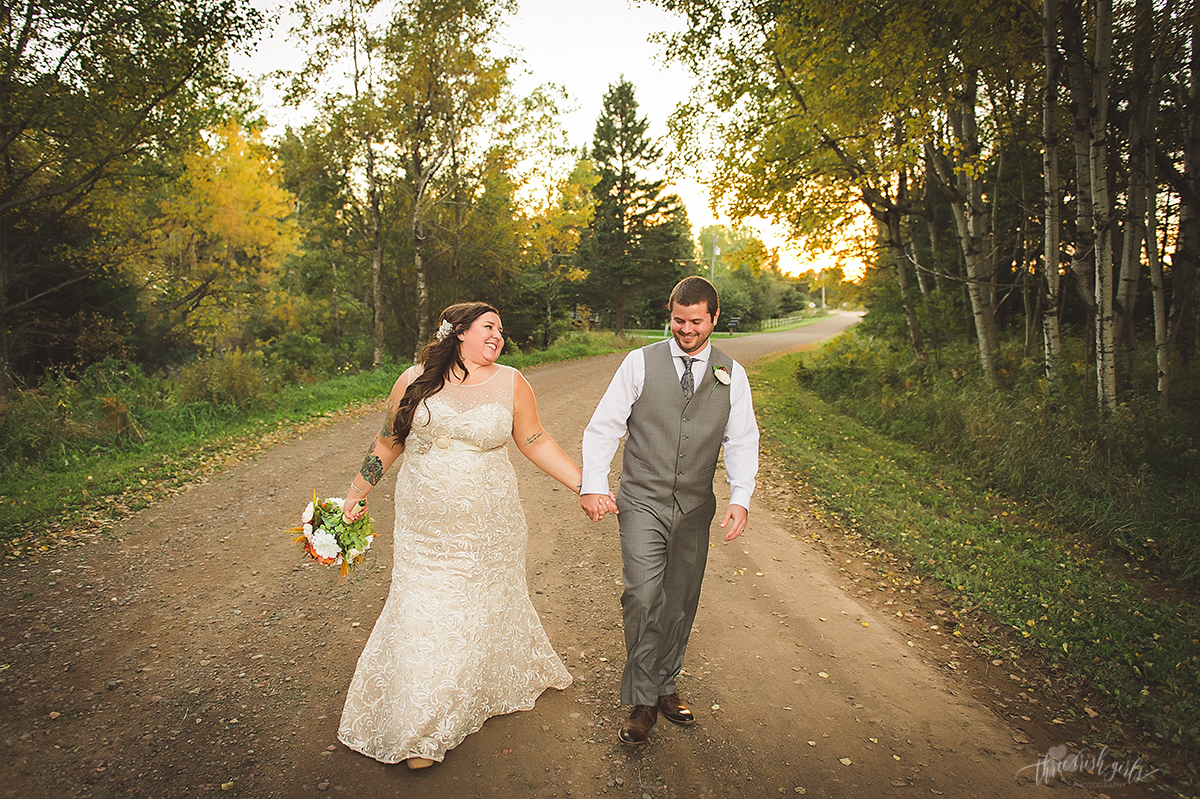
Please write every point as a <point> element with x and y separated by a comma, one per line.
<point>372,468</point>
<point>387,430</point>
<point>534,437</point>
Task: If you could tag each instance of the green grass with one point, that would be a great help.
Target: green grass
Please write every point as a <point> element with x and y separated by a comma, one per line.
<point>82,490</point>
<point>1132,644</point>
<point>572,346</point>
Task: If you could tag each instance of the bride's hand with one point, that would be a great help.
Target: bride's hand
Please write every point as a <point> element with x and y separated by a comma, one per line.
<point>353,511</point>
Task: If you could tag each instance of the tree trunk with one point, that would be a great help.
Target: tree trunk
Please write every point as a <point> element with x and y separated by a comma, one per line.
<point>549,300</point>
<point>935,235</point>
<point>1053,249</point>
<point>619,308</point>
<point>924,283</point>
<point>970,219</point>
<point>1162,348</point>
<point>1141,140</point>
<point>5,369</point>
<point>379,300</point>
<point>1186,260</point>
<point>418,234</point>
<point>1106,386</point>
<point>1078,73</point>
<point>890,224</point>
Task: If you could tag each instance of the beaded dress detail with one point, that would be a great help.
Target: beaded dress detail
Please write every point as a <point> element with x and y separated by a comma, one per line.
<point>458,640</point>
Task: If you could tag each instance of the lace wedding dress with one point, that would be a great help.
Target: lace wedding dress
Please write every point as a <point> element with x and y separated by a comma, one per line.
<point>458,640</point>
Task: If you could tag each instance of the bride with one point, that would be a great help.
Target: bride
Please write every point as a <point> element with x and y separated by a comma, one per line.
<point>458,640</point>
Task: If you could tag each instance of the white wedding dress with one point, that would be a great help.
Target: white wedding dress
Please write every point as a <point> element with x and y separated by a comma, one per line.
<point>458,640</point>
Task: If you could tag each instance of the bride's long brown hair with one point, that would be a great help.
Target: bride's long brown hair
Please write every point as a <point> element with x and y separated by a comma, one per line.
<point>438,357</point>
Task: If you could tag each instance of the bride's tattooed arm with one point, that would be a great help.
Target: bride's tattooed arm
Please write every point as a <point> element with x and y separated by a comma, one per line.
<point>389,421</point>
<point>372,467</point>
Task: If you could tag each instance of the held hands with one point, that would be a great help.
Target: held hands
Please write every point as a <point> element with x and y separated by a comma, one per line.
<point>739,516</point>
<point>596,506</point>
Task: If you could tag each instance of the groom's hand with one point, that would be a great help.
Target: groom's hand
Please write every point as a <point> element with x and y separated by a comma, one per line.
<point>597,505</point>
<point>739,516</point>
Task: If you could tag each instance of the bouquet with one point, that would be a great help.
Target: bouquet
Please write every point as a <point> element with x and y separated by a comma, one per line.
<point>328,539</point>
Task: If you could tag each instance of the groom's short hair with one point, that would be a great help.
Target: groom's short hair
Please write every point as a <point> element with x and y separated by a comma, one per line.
<point>692,290</point>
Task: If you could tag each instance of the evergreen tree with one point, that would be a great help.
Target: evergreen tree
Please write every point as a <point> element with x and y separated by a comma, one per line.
<point>636,245</point>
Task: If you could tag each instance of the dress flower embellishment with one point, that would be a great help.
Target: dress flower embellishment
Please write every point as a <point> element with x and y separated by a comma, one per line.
<point>721,374</point>
<point>444,330</point>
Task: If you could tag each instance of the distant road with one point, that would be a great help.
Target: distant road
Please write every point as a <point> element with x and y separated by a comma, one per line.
<point>749,348</point>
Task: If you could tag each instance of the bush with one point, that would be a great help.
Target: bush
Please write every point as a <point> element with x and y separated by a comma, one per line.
<point>1123,479</point>
<point>300,357</point>
<point>234,379</point>
<point>104,406</point>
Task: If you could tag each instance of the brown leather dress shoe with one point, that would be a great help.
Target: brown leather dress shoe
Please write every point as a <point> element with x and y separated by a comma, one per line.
<point>675,710</point>
<point>636,730</point>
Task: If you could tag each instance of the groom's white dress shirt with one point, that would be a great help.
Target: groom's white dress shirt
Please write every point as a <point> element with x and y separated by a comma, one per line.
<point>610,422</point>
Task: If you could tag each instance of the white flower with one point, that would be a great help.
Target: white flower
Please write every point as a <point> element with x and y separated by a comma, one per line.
<point>721,374</point>
<point>444,330</point>
<point>325,545</point>
<point>308,531</point>
<point>353,553</point>
<point>307,516</point>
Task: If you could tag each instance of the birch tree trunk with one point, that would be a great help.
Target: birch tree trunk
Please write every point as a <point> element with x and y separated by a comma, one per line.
<point>970,219</point>
<point>1141,140</point>
<point>1083,260</point>
<point>1052,255</point>
<point>1162,348</point>
<point>1106,386</point>
<point>1186,259</point>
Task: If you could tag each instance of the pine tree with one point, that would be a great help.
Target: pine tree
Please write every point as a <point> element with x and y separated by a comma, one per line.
<point>624,251</point>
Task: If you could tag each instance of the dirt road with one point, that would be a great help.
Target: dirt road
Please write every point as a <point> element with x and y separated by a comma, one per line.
<point>201,654</point>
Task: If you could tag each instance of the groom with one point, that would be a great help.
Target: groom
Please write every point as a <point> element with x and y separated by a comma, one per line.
<point>676,402</point>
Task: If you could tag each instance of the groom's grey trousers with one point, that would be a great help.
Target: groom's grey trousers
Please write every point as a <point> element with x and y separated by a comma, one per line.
<point>666,506</point>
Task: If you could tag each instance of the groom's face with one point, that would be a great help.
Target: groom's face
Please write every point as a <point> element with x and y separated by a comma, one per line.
<point>691,325</point>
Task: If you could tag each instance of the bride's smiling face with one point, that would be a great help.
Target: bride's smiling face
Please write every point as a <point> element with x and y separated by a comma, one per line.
<point>483,340</point>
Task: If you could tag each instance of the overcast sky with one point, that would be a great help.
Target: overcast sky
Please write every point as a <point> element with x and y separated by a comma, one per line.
<point>583,46</point>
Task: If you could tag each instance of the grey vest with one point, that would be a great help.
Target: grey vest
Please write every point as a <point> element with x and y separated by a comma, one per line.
<point>672,446</point>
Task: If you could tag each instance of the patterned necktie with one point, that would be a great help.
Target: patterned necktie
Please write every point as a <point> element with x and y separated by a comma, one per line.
<point>686,380</point>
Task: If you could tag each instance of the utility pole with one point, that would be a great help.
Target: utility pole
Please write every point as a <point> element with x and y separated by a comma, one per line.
<point>712,264</point>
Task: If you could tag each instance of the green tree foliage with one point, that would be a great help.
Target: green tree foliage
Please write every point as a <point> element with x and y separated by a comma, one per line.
<point>746,273</point>
<point>92,93</point>
<point>639,240</point>
<point>219,242</point>
<point>425,136</point>
<point>930,115</point>
<point>556,224</point>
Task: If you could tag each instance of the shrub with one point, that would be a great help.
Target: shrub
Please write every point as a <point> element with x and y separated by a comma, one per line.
<point>235,379</point>
<point>67,413</point>
<point>300,357</point>
<point>1122,478</point>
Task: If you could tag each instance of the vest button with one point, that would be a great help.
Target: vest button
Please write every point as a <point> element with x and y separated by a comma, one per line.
<point>685,418</point>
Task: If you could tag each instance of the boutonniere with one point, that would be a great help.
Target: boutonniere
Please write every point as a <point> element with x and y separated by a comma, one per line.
<point>721,374</point>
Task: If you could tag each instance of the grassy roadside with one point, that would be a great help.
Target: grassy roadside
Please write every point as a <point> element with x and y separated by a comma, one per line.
<point>81,494</point>
<point>1122,642</point>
